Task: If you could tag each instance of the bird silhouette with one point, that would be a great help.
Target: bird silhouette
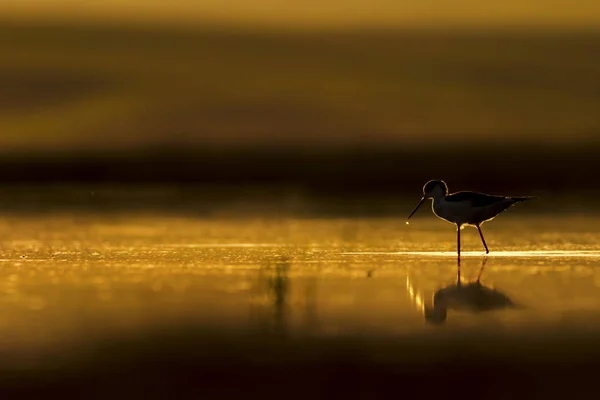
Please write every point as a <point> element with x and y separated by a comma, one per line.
<point>465,208</point>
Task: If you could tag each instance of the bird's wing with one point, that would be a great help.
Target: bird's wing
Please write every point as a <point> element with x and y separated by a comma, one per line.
<point>476,199</point>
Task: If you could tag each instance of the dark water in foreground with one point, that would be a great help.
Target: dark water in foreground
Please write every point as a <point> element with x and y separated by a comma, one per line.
<point>115,304</point>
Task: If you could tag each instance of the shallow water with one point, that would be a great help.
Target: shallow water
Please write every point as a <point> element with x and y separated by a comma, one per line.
<point>69,284</point>
<point>68,279</point>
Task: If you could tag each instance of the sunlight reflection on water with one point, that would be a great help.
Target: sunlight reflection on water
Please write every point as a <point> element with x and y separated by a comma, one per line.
<point>512,254</point>
<point>65,281</point>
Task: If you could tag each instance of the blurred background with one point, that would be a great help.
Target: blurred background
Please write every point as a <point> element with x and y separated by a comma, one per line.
<point>335,100</point>
<point>308,120</point>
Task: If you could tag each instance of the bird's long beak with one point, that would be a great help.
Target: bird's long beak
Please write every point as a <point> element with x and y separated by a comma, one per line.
<point>417,207</point>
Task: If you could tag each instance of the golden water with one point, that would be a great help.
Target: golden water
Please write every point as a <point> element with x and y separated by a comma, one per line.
<point>71,281</point>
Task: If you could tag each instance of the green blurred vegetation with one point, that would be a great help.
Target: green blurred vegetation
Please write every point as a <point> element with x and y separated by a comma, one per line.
<point>75,87</point>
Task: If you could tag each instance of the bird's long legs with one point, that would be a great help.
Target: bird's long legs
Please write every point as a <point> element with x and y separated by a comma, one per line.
<point>458,241</point>
<point>482,239</point>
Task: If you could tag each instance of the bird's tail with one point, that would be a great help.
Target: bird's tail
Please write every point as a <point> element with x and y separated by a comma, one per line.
<point>520,199</point>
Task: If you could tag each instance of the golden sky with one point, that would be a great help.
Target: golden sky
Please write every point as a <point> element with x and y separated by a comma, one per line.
<point>306,13</point>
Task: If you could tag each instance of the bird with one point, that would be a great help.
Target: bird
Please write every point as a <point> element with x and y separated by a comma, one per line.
<point>465,208</point>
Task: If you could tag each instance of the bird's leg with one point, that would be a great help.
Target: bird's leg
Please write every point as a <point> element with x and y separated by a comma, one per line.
<point>482,239</point>
<point>458,241</point>
<point>482,267</point>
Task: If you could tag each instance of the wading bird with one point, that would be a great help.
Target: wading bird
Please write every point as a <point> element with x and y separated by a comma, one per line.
<point>465,208</point>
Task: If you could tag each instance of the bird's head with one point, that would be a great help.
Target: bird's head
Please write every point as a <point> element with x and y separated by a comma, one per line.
<point>435,188</point>
<point>432,189</point>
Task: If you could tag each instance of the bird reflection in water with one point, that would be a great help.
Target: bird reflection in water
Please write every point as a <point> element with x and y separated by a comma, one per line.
<point>472,297</point>
<point>278,292</point>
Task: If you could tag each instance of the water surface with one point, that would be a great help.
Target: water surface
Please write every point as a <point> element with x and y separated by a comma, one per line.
<point>70,285</point>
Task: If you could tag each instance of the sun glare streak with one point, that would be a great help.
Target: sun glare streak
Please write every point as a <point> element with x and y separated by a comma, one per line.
<point>224,245</point>
<point>415,297</point>
<point>522,254</point>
